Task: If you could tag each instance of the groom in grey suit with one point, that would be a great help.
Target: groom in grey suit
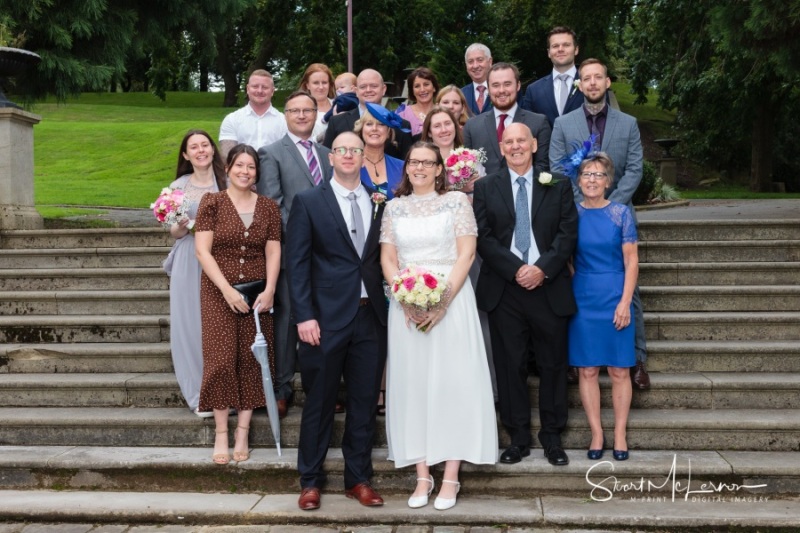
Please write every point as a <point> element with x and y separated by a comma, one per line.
<point>618,136</point>
<point>286,169</point>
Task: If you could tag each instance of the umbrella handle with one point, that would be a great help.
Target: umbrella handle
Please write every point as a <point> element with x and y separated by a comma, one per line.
<point>258,322</point>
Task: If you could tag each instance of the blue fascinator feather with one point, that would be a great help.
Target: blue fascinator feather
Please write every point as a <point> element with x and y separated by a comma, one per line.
<point>580,151</point>
<point>386,117</point>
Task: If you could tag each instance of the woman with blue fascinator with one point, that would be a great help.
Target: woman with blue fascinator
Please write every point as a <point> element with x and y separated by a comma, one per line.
<point>381,173</point>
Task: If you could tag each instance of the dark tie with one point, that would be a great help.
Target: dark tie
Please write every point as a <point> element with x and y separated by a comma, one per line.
<point>522,229</point>
<point>356,223</point>
<point>501,127</point>
<point>563,92</point>
<point>481,97</point>
<point>313,166</point>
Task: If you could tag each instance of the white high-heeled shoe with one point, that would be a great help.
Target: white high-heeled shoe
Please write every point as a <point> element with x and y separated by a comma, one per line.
<point>415,502</point>
<point>442,504</point>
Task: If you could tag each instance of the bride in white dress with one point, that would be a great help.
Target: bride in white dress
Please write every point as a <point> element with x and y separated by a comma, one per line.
<point>439,404</point>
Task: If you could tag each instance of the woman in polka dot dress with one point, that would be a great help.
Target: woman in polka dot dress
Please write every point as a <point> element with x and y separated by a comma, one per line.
<point>237,240</point>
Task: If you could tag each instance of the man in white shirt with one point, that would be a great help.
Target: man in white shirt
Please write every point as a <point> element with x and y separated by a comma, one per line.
<point>478,59</point>
<point>258,123</point>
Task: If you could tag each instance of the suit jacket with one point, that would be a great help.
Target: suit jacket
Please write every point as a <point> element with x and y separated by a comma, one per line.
<point>472,104</point>
<point>347,122</point>
<point>324,269</point>
<point>541,98</point>
<point>554,219</point>
<point>284,173</point>
<point>481,132</point>
<point>621,141</point>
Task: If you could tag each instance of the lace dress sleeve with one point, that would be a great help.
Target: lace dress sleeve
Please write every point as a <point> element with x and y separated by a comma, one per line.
<point>387,232</point>
<point>465,218</point>
<point>629,234</point>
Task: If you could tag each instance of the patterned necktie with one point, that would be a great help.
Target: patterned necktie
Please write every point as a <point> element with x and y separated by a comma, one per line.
<point>356,223</point>
<point>501,127</point>
<point>563,92</point>
<point>481,97</point>
<point>313,166</point>
<point>522,228</point>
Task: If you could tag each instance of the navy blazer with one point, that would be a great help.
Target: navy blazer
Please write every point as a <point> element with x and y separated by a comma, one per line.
<point>472,104</point>
<point>324,269</point>
<point>540,98</point>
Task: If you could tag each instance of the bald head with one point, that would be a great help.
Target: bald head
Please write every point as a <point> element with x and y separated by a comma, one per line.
<point>347,165</point>
<point>370,87</point>
<point>518,146</point>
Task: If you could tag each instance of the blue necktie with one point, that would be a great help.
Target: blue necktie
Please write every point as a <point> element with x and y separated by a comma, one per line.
<point>522,229</point>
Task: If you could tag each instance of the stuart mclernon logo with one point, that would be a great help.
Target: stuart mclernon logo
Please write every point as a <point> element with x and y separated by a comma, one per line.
<point>659,489</point>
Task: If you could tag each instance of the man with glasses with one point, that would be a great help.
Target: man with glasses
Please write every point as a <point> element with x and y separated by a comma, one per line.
<point>616,134</point>
<point>336,290</point>
<point>290,165</point>
<point>258,123</point>
<point>369,88</point>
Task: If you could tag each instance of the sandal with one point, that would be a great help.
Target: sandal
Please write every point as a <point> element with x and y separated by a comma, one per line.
<point>245,455</point>
<point>221,458</point>
<point>382,404</point>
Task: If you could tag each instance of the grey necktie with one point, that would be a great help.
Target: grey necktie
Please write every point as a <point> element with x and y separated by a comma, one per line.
<point>356,224</point>
<point>522,229</point>
<point>563,93</point>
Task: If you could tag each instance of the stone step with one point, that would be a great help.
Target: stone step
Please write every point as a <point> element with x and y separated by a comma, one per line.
<point>85,238</point>
<point>95,279</point>
<point>723,356</point>
<point>745,298</point>
<point>151,257</point>
<point>131,302</point>
<point>730,273</point>
<point>648,429</point>
<point>718,251</point>
<point>718,230</point>
<point>62,358</point>
<point>190,469</point>
<point>83,328</point>
<point>722,326</point>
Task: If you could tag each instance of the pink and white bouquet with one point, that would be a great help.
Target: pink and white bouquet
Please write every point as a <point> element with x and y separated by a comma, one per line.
<point>170,207</point>
<point>419,290</point>
<point>462,165</point>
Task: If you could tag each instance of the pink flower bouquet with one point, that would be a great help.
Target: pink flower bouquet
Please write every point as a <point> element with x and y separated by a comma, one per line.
<point>418,290</point>
<point>170,208</point>
<point>462,165</point>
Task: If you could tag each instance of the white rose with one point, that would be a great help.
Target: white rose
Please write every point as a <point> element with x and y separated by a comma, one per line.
<point>409,298</point>
<point>545,178</point>
<point>421,300</point>
<point>435,298</point>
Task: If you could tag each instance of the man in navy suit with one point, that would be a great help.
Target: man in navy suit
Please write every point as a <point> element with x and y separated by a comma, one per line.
<point>618,136</point>
<point>478,58</point>
<point>335,285</point>
<point>557,93</point>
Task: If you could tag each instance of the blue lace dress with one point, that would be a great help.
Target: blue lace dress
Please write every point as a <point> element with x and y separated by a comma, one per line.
<point>597,284</point>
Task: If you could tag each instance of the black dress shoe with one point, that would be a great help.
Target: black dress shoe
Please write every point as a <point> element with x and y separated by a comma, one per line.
<point>556,456</point>
<point>572,375</point>
<point>514,454</point>
<point>639,376</point>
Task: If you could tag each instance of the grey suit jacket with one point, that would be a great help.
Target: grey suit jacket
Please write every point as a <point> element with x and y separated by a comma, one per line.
<point>621,141</point>
<point>481,132</point>
<point>284,172</point>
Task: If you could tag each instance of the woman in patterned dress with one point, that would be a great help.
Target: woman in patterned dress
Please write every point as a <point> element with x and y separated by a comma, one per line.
<point>238,241</point>
<point>200,171</point>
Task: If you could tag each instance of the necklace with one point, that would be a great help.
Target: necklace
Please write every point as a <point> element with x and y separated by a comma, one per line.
<point>375,164</point>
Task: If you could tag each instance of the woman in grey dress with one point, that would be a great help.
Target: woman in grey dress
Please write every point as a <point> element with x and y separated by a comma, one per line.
<point>200,171</point>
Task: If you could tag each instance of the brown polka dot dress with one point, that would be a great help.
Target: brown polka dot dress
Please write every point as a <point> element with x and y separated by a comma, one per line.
<point>231,374</point>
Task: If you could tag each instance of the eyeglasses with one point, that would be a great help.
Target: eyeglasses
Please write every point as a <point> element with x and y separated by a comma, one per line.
<point>295,112</point>
<point>343,150</point>
<point>593,175</point>
<point>427,163</point>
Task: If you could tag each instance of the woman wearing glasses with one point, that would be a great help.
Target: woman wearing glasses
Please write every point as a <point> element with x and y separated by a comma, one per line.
<point>439,399</point>
<point>606,266</point>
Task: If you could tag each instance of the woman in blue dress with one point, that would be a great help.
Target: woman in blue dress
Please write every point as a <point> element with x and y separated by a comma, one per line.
<point>606,266</point>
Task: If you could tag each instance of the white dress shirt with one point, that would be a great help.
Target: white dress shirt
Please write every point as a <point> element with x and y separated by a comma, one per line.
<point>533,252</point>
<point>364,203</point>
<point>245,126</point>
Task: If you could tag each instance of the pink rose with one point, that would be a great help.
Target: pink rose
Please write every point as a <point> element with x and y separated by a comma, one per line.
<point>409,283</point>
<point>430,281</point>
<point>452,160</point>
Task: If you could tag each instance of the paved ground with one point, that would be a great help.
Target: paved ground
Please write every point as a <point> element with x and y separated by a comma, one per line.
<point>689,210</point>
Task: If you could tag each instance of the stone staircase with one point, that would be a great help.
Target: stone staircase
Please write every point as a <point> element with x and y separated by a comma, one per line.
<point>85,371</point>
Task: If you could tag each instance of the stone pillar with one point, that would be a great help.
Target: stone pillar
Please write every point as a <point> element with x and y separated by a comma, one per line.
<point>17,209</point>
<point>668,170</point>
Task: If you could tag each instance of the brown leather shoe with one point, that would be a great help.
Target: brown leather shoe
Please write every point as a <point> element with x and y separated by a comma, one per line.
<point>338,408</point>
<point>309,499</point>
<point>572,374</point>
<point>365,495</point>
<point>283,408</point>
<point>640,377</point>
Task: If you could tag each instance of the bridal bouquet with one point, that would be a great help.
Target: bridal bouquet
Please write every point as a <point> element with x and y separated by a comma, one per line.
<point>170,207</point>
<point>462,165</point>
<point>418,290</point>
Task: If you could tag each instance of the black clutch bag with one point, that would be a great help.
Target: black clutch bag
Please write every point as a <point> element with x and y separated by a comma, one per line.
<point>251,290</point>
